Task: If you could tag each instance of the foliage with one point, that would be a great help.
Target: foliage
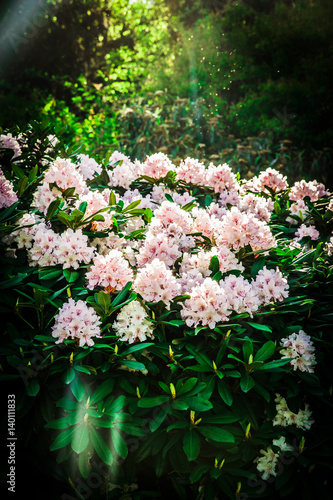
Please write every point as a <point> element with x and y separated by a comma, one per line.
<point>185,412</point>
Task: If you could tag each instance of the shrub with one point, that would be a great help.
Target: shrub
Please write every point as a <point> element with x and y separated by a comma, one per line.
<point>167,328</point>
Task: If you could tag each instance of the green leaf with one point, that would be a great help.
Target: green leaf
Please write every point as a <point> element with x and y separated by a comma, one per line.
<point>115,406</point>
<point>104,301</point>
<point>68,375</point>
<point>188,385</point>
<point>152,402</point>
<point>197,403</point>
<point>12,282</point>
<point>84,464</point>
<point>63,439</point>
<point>53,207</point>
<point>70,276</point>
<point>104,389</point>
<point>65,218</point>
<point>276,365</point>
<point>68,404</point>
<point>158,420</point>
<point>121,295</point>
<point>49,274</point>
<point>246,382</point>
<point>101,448</point>
<point>60,423</point>
<point>214,265</point>
<point>216,433</point>
<point>77,388</point>
<point>119,443</point>
<point>263,328</point>
<point>198,472</point>
<point>32,388</point>
<point>131,363</point>
<point>265,352</point>
<point>225,393</point>
<point>137,347</point>
<point>80,440</point>
<point>191,444</point>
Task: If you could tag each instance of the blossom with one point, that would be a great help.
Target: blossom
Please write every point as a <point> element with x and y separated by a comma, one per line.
<point>132,324</point>
<point>270,178</point>
<point>299,348</point>
<point>208,305</point>
<point>77,321</point>
<point>329,247</point>
<point>281,443</point>
<point>304,231</point>
<point>242,295</point>
<point>124,173</point>
<point>267,464</point>
<point>313,189</point>
<point>110,271</point>
<point>221,177</point>
<point>298,208</point>
<point>159,246</point>
<point>170,213</point>
<point>271,285</point>
<point>285,417</point>
<point>8,141</point>
<point>88,167</point>
<point>7,193</point>
<point>238,229</point>
<point>157,166</point>
<point>191,171</point>
<point>154,282</point>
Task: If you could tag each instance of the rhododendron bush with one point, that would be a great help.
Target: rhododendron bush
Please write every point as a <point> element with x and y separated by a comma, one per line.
<point>168,329</point>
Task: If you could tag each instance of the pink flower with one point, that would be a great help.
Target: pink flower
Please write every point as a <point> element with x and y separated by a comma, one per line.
<point>221,177</point>
<point>8,141</point>
<point>154,282</point>
<point>299,348</point>
<point>208,305</point>
<point>7,193</point>
<point>271,286</point>
<point>88,167</point>
<point>304,231</point>
<point>191,171</point>
<point>313,189</point>
<point>77,321</point>
<point>110,271</point>
<point>157,166</point>
<point>270,178</point>
<point>124,173</point>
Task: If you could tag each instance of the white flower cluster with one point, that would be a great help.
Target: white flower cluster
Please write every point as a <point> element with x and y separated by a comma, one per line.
<point>132,324</point>
<point>77,321</point>
<point>285,417</point>
<point>300,349</point>
<point>268,464</point>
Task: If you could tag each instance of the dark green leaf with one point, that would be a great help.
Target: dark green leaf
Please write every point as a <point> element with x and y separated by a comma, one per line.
<point>216,433</point>
<point>80,440</point>
<point>191,444</point>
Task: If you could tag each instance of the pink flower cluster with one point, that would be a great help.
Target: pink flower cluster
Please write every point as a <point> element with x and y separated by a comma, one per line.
<point>110,271</point>
<point>154,282</point>
<point>63,174</point>
<point>132,324</point>
<point>304,231</point>
<point>221,177</point>
<point>300,349</point>
<point>124,173</point>
<point>270,178</point>
<point>8,141</point>
<point>88,167</point>
<point>192,171</point>
<point>157,166</point>
<point>239,229</point>
<point>7,193</point>
<point>77,321</point>
<point>271,285</point>
<point>313,189</point>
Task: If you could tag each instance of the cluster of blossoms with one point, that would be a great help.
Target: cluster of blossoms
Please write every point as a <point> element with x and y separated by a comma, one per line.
<point>304,231</point>
<point>313,189</point>
<point>268,463</point>
<point>285,416</point>
<point>88,167</point>
<point>213,302</point>
<point>270,178</point>
<point>132,324</point>
<point>7,193</point>
<point>8,141</point>
<point>110,271</point>
<point>77,321</point>
<point>300,349</point>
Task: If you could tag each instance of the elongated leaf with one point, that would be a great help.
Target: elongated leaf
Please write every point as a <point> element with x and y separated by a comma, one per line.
<point>131,363</point>
<point>101,448</point>
<point>68,404</point>
<point>216,433</point>
<point>265,352</point>
<point>197,403</point>
<point>157,421</point>
<point>136,347</point>
<point>198,472</point>
<point>80,440</point>
<point>122,294</point>
<point>104,389</point>
<point>119,443</point>
<point>77,388</point>
<point>263,328</point>
<point>188,385</point>
<point>60,423</point>
<point>225,393</point>
<point>276,365</point>
<point>49,274</point>
<point>152,402</point>
<point>246,382</point>
<point>116,406</point>
<point>63,439</point>
<point>191,444</point>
